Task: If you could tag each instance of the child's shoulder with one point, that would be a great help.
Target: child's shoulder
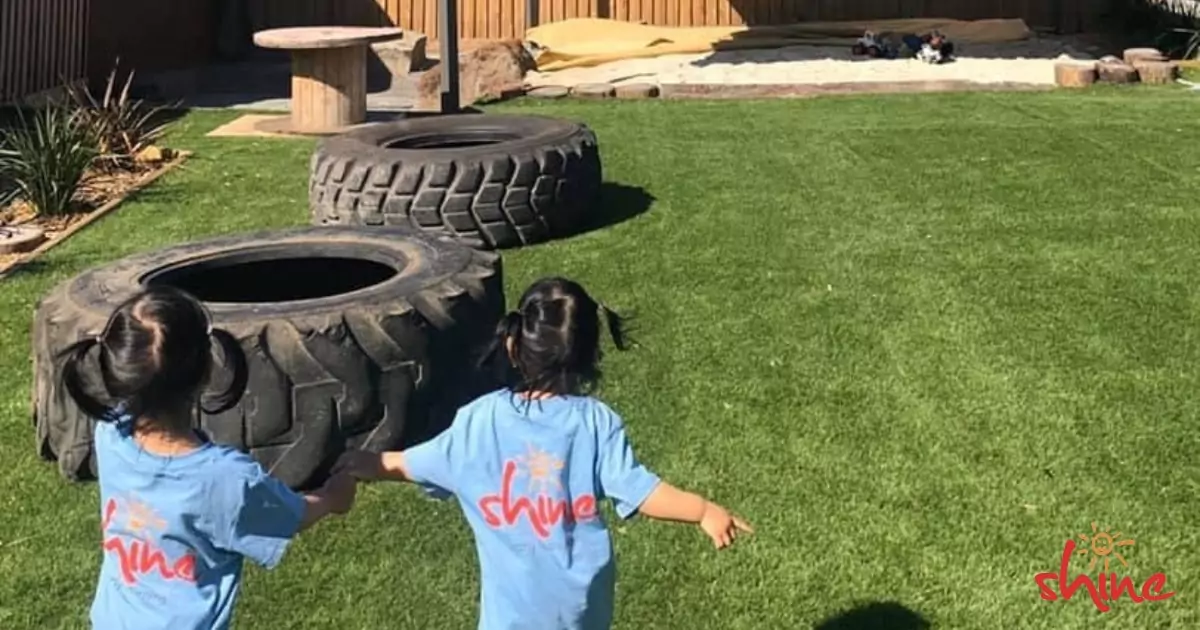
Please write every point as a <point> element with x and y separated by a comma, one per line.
<point>229,463</point>
<point>504,400</point>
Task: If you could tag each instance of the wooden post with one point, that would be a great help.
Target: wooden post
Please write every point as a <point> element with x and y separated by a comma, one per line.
<point>448,33</point>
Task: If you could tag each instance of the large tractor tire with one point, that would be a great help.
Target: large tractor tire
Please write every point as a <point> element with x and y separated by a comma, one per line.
<point>353,339</point>
<point>490,181</point>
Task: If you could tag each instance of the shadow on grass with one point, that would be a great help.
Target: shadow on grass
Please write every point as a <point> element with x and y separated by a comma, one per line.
<point>876,616</point>
<point>618,203</point>
<point>26,267</point>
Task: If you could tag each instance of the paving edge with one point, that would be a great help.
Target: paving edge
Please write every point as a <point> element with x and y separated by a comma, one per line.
<point>808,90</point>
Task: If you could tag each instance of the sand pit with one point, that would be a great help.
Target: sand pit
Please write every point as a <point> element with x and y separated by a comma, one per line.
<point>1029,62</point>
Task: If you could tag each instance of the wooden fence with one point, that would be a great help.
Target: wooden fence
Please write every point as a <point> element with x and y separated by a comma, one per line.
<point>42,42</point>
<point>148,35</point>
<point>495,19</point>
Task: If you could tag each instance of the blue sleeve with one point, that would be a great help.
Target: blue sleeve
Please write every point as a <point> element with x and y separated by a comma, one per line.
<point>263,515</point>
<point>430,464</point>
<point>623,479</point>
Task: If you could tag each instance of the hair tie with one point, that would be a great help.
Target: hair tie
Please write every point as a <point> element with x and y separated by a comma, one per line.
<point>120,417</point>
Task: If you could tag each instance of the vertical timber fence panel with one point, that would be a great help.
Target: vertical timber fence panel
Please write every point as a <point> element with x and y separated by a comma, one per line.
<point>42,44</point>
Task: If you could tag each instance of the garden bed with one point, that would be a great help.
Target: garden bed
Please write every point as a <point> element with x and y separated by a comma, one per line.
<point>101,193</point>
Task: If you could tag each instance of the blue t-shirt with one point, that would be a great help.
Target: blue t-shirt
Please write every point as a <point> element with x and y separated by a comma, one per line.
<point>529,479</point>
<point>175,530</point>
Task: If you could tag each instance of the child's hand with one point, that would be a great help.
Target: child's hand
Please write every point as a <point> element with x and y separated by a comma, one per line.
<point>360,465</point>
<point>720,526</point>
<point>340,491</point>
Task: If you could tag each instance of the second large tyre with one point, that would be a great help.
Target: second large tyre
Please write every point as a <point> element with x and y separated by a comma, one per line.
<point>353,339</point>
<point>491,181</point>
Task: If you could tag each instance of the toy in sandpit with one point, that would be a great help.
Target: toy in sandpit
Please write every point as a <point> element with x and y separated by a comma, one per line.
<point>932,48</point>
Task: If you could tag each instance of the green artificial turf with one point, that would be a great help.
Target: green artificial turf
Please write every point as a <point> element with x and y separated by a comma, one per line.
<point>918,341</point>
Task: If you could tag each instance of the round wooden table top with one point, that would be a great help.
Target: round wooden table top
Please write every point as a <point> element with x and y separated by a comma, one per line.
<point>316,37</point>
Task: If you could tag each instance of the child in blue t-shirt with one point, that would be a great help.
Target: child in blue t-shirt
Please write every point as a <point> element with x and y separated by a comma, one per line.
<point>530,464</point>
<point>178,513</point>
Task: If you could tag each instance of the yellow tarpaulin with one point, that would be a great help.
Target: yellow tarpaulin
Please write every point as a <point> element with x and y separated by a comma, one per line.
<point>593,41</point>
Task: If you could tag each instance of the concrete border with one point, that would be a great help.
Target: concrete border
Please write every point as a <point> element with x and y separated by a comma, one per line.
<point>810,90</point>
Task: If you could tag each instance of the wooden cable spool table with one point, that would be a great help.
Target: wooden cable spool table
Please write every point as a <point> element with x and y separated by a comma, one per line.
<point>329,73</point>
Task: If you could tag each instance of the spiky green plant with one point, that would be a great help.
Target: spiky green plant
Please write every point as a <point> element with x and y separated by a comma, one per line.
<point>46,157</point>
<point>123,126</point>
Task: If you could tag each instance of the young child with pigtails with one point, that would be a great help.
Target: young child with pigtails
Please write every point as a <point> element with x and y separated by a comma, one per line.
<point>178,513</point>
<point>530,463</point>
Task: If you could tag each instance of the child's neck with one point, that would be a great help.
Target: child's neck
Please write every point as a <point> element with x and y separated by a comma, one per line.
<point>536,395</point>
<point>166,441</point>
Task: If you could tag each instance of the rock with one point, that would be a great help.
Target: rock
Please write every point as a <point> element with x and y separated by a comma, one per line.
<point>593,90</point>
<point>1133,55</point>
<point>1156,72</point>
<point>396,59</point>
<point>489,72</point>
<point>502,93</point>
<point>637,91</point>
<point>548,91</point>
<point>150,155</point>
<point>1116,72</point>
<point>1074,74</point>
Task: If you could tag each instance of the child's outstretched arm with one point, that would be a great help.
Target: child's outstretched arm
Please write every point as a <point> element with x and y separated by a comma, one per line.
<point>633,488</point>
<point>335,497</point>
<point>669,503</point>
<point>386,466</point>
<point>429,465</point>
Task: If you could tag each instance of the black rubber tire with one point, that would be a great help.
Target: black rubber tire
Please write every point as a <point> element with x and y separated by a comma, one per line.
<point>536,178</point>
<point>377,367</point>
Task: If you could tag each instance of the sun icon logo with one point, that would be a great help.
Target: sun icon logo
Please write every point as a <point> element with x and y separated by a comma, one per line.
<point>1102,544</point>
<point>140,517</point>
<point>543,470</point>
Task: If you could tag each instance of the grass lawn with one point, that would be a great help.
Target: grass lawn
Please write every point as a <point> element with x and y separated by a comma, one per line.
<point>919,341</point>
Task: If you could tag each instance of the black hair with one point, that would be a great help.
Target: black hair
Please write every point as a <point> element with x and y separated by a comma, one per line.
<point>555,338</point>
<point>155,358</point>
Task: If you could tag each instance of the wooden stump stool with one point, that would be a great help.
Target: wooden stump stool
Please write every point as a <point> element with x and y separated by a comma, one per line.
<point>329,74</point>
<point>1116,72</point>
<point>594,90</point>
<point>1133,55</point>
<point>1156,72</point>
<point>1075,74</point>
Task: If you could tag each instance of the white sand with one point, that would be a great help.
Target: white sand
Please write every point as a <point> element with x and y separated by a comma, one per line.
<point>1029,62</point>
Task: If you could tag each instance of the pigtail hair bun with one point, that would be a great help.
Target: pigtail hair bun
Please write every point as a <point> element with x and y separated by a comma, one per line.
<point>235,362</point>
<point>72,378</point>
<point>509,327</point>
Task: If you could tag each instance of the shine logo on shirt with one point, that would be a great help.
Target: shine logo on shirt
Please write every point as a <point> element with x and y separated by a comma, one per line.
<point>138,555</point>
<point>541,505</point>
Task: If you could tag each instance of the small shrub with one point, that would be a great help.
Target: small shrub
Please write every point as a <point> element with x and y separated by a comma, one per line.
<point>46,158</point>
<point>122,126</point>
<point>1172,25</point>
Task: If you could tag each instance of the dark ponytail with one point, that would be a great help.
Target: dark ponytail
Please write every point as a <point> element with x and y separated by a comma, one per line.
<point>235,362</point>
<point>509,327</point>
<point>155,356</point>
<point>552,339</point>
<point>72,379</point>
<point>617,328</point>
